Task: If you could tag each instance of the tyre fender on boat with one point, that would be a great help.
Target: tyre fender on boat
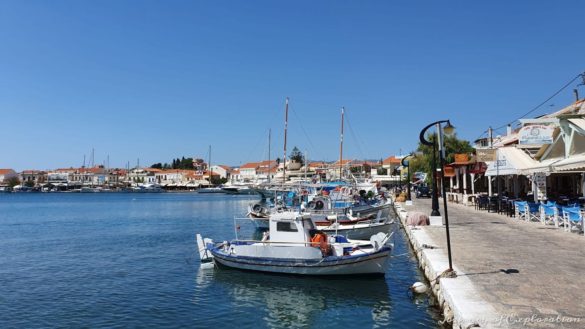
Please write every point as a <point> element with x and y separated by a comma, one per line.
<point>319,204</point>
<point>257,208</point>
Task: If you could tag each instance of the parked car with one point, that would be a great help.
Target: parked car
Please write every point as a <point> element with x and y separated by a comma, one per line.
<point>423,191</point>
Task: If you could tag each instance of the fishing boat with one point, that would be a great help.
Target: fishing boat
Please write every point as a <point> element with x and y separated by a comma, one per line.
<point>294,246</point>
<point>357,228</point>
<point>308,200</point>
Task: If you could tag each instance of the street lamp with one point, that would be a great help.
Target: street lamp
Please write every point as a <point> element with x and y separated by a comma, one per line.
<point>434,197</point>
<point>447,129</point>
<point>407,165</point>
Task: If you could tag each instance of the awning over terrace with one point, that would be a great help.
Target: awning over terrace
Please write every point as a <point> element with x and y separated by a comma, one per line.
<point>511,161</point>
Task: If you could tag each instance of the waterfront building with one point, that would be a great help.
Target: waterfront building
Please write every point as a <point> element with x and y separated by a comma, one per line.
<point>6,174</point>
<point>33,177</point>
<point>542,159</point>
<point>142,176</point>
<point>116,177</point>
<point>94,176</point>
<point>258,171</point>
<point>223,171</point>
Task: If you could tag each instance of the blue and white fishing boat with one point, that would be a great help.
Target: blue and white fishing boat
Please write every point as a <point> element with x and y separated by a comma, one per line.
<point>293,246</point>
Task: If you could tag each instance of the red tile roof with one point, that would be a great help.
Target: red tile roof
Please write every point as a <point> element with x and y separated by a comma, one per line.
<point>317,164</point>
<point>391,160</point>
<point>249,165</point>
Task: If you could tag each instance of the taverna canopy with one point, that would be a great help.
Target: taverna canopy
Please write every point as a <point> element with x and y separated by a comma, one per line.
<point>511,161</point>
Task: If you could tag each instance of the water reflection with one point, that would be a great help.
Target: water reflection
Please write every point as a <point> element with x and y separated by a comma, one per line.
<point>283,301</point>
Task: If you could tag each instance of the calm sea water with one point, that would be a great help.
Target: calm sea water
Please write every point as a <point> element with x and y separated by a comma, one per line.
<point>130,260</point>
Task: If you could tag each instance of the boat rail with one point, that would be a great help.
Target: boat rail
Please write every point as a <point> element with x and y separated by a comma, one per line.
<point>270,242</point>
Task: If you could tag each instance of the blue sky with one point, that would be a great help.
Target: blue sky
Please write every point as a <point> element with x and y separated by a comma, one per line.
<point>160,79</point>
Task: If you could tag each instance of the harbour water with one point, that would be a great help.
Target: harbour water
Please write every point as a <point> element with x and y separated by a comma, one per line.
<point>130,260</point>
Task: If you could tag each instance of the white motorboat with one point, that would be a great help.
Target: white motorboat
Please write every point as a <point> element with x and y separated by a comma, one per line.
<point>294,246</point>
<point>147,188</point>
<point>357,228</point>
<point>210,190</point>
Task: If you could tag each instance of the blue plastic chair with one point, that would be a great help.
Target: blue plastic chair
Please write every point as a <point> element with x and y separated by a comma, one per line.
<point>549,214</point>
<point>572,217</point>
<point>520,209</point>
<point>532,211</point>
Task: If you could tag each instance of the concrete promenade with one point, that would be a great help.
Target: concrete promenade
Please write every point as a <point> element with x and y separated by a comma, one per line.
<point>548,290</point>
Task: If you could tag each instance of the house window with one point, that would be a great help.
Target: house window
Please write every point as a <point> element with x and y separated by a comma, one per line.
<point>286,227</point>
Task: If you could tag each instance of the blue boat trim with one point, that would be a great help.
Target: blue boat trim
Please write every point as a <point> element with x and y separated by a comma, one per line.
<point>325,262</point>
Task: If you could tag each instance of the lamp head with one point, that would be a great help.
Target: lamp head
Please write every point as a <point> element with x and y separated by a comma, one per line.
<point>449,129</point>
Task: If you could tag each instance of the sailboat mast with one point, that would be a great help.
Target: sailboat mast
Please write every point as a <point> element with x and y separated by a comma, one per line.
<point>210,170</point>
<point>341,145</point>
<point>285,128</point>
<point>269,164</point>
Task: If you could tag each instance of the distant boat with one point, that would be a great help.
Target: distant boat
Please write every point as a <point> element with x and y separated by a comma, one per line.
<point>147,188</point>
<point>210,190</point>
<point>238,189</point>
<point>294,246</point>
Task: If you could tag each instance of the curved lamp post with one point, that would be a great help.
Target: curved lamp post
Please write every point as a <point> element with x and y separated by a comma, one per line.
<point>407,165</point>
<point>434,197</point>
<point>447,129</point>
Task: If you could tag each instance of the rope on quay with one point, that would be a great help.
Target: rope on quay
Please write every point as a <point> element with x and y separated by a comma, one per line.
<point>448,273</point>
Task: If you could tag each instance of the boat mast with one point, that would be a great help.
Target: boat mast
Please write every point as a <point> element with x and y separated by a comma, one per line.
<point>306,164</point>
<point>285,128</point>
<point>210,170</point>
<point>269,164</point>
<point>341,146</point>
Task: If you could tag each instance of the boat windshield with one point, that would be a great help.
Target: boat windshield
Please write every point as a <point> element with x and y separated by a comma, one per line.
<point>308,224</point>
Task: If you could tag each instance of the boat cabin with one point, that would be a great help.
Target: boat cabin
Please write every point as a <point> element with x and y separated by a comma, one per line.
<point>290,227</point>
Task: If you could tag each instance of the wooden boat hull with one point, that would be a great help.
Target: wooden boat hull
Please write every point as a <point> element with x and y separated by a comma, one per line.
<point>370,263</point>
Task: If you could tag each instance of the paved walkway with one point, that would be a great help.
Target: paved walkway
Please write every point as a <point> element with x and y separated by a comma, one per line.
<point>550,283</point>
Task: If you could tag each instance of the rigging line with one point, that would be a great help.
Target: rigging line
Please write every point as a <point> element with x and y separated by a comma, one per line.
<point>303,129</point>
<point>257,144</point>
<point>544,102</point>
<point>354,136</point>
<point>480,136</point>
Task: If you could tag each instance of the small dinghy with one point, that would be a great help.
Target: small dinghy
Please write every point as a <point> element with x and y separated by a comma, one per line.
<point>294,246</point>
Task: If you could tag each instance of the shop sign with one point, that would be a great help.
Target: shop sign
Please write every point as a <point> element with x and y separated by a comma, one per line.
<point>535,135</point>
<point>540,181</point>
<point>485,155</point>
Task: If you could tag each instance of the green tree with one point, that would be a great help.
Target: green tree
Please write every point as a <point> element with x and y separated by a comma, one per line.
<point>13,181</point>
<point>297,156</point>
<point>423,160</point>
<point>157,166</point>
